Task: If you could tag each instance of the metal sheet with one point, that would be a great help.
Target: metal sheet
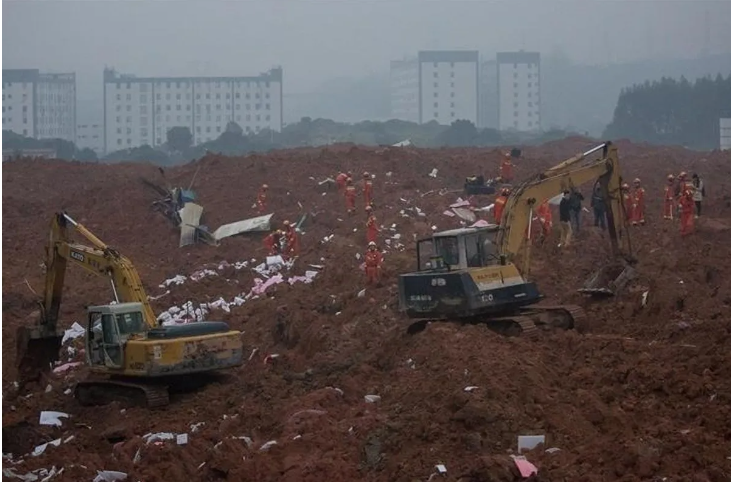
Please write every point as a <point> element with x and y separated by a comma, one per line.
<point>190,217</point>
<point>260,223</point>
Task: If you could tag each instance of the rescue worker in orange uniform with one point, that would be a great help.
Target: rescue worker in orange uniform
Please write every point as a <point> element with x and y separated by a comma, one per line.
<point>545,218</point>
<point>340,181</point>
<point>261,198</point>
<point>372,228</point>
<point>500,204</point>
<point>506,169</point>
<point>669,199</point>
<point>350,195</point>
<point>627,201</point>
<point>638,204</point>
<point>273,242</point>
<point>686,212</point>
<point>291,239</point>
<point>373,263</point>
<point>367,189</point>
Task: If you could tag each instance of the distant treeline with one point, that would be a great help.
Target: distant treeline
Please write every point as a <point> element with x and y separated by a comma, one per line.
<point>673,111</point>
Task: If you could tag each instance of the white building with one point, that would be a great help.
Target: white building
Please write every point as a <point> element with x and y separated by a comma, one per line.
<point>39,105</point>
<point>90,136</point>
<point>725,130</point>
<point>405,90</point>
<point>141,110</point>
<point>439,86</point>
<point>519,91</point>
<point>488,95</point>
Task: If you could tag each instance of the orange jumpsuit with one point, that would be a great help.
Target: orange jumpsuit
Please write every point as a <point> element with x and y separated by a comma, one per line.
<point>373,262</point>
<point>340,180</point>
<point>372,229</point>
<point>293,242</point>
<point>686,213</point>
<point>638,206</point>
<point>628,202</point>
<point>506,170</point>
<point>545,217</point>
<point>350,198</point>
<point>499,206</point>
<point>669,202</point>
<point>261,201</point>
<point>368,191</point>
<point>271,242</point>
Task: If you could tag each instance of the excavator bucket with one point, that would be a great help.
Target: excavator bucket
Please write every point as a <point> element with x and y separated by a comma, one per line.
<point>36,352</point>
<point>609,280</point>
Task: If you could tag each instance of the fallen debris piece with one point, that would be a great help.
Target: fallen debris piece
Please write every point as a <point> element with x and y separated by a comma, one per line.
<point>441,468</point>
<point>529,442</point>
<point>72,333</point>
<point>66,366</point>
<point>159,436</point>
<point>471,388</point>
<point>42,448</point>
<point>525,468</point>
<point>181,439</point>
<point>268,445</point>
<point>109,476</point>
<point>433,172</point>
<point>52,418</point>
<point>372,398</point>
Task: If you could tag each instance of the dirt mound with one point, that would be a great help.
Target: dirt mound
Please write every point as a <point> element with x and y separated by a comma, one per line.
<point>642,395</point>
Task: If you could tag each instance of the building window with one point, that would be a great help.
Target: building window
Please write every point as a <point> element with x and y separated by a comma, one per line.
<point>119,119</point>
<point>515,105</point>
<point>143,99</point>
<point>129,85</point>
<point>177,96</point>
<point>268,107</point>
<point>167,85</point>
<point>452,105</point>
<point>515,75</point>
<point>119,130</point>
<point>266,95</point>
<point>119,141</point>
<point>452,114</point>
<point>177,84</point>
<point>208,129</point>
<point>515,114</point>
<point>218,106</point>
<point>129,108</point>
<point>187,108</point>
<point>143,132</point>
<point>436,75</point>
<point>119,96</point>
<point>436,85</point>
<point>167,107</point>
<point>143,109</point>
<point>436,105</point>
<point>268,117</point>
<point>197,96</point>
<point>179,107</point>
<point>143,121</point>
<point>157,96</point>
<point>238,95</point>
<point>129,97</point>
<point>218,96</point>
<point>436,114</point>
<point>208,96</point>
<point>515,95</point>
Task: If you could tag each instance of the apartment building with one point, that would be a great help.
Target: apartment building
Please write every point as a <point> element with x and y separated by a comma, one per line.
<point>141,110</point>
<point>40,105</point>
<point>439,85</point>
<point>90,136</point>
<point>724,125</point>
<point>519,91</point>
<point>488,95</point>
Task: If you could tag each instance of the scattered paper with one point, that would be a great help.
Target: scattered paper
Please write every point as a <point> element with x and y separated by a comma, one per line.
<point>471,388</point>
<point>52,418</point>
<point>74,332</point>
<point>153,437</point>
<point>433,172</point>
<point>42,448</point>
<point>372,398</point>
<point>109,476</point>
<point>182,439</point>
<point>441,468</point>
<point>268,445</point>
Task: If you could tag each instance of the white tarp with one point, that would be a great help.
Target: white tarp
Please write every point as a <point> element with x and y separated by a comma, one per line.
<point>260,223</point>
<point>190,217</point>
<point>405,143</point>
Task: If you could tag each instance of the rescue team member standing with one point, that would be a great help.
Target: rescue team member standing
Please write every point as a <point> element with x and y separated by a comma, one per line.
<point>638,204</point>
<point>699,192</point>
<point>350,195</point>
<point>506,169</point>
<point>292,239</point>
<point>564,216</point>
<point>669,198</point>
<point>367,189</point>
<point>261,198</point>
<point>341,180</point>
<point>545,217</point>
<point>500,204</point>
<point>686,212</point>
<point>372,229</point>
<point>599,207</point>
<point>373,263</point>
<point>627,201</point>
<point>273,242</point>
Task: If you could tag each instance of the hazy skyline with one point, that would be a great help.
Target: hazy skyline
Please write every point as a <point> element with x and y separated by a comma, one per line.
<point>317,40</point>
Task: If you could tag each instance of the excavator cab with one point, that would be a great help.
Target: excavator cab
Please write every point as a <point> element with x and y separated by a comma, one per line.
<point>109,327</point>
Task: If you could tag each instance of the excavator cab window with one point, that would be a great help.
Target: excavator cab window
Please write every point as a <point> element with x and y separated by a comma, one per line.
<point>130,323</point>
<point>111,340</point>
<point>448,248</point>
<point>480,249</point>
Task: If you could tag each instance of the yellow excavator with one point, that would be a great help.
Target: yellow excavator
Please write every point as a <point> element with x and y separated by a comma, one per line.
<point>130,357</point>
<point>482,274</point>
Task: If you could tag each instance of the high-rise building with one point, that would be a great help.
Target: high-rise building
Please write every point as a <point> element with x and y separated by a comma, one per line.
<point>90,136</point>
<point>439,85</point>
<point>724,125</point>
<point>488,95</point>
<point>519,90</point>
<point>39,105</point>
<point>141,110</point>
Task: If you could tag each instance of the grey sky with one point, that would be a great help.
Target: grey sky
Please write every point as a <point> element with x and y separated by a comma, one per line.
<point>315,40</point>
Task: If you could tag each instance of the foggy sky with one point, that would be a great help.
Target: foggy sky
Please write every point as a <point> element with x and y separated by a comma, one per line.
<point>316,40</point>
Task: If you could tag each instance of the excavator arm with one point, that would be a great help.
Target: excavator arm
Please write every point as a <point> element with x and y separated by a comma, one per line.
<point>38,345</point>
<point>513,242</point>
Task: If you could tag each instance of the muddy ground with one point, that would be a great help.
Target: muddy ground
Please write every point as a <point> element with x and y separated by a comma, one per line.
<point>643,393</point>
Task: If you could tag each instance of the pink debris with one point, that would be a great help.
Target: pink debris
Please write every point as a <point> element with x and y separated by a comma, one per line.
<point>526,468</point>
<point>66,367</point>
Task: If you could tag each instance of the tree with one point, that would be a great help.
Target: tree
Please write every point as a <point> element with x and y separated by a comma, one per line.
<point>233,128</point>
<point>179,138</point>
<point>460,133</point>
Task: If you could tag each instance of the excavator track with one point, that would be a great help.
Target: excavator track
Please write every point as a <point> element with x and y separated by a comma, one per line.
<point>528,323</point>
<point>102,392</point>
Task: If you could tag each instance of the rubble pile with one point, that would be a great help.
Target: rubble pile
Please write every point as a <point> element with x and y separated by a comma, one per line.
<point>333,387</point>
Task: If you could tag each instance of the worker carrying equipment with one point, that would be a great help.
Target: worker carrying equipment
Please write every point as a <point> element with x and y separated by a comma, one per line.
<point>261,199</point>
<point>669,198</point>
<point>483,273</point>
<point>373,263</point>
<point>638,204</point>
<point>130,356</point>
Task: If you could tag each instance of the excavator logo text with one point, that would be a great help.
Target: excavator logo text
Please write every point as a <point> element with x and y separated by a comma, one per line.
<point>77,256</point>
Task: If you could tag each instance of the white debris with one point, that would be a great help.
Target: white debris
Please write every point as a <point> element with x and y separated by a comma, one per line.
<point>109,476</point>
<point>74,332</point>
<point>49,388</point>
<point>154,437</point>
<point>357,256</point>
<point>361,293</point>
<point>441,468</point>
<point>176,280</point>
<point>433,228</point>
<point>372,398</point>
<point>194,427</point>
<point>253,352</point>
<point>247,440</point>
<point>433,172</point>
<point>199,275</point>
<point>268,445</point>
<point>644,297</point>
<point>529,442</point>
<point>181,439</point>
<point>471,388</point>
<point>553,450</point>
<point>42,448</point>
<point>67,391</point>
<point>327,239</point>
<point>297,437</point>
<point>52,418</point>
